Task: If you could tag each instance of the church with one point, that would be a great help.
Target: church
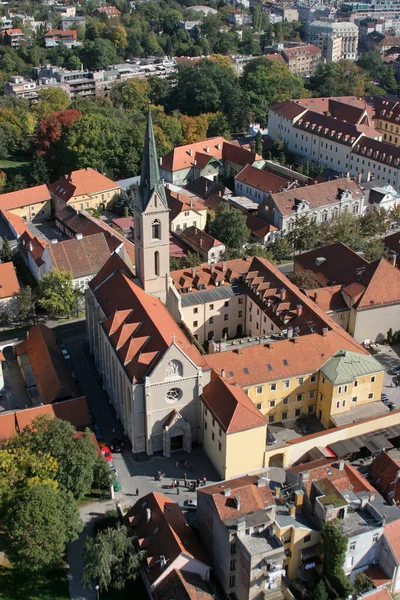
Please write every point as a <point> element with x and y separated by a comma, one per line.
<point>152,373</point>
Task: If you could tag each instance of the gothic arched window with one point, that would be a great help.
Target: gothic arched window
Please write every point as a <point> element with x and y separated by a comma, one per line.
<point>156,263</point>
<point>156,230</point>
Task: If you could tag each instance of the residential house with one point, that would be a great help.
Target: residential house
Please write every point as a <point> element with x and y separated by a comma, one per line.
<point>125,225</point>
<point>31,204</point>
<point>367,26</point>
<point>381,42</point>
<point>183,585</point>
<point>192,27</point>
<point>9,289</point>
<point>161,529</point>
<point>185,211</point>
<point>384,474</point>
<point>256,184</point>
<point>44,368</point>
<point>320,32</point>
<point>231,422</point>
<point>336,492</point>
<point>239,17</point>
<point>321,203</point>
<point>371,290</point>
<point>384,197</point>
<point>392,243</point>
<point>204,159</point>
<point>32,249</point>
<point>209,248</point>
<point>261,232</point>
<point>57,37</point>
<point>83,189</point>
<point>235,520</point>
<point>109,12</point>
<point>387,120</point>
<point>302,59</point>
<point>73,21</point>
<point>390,556</point>
<point>16,224</point>
<point>13,37</point>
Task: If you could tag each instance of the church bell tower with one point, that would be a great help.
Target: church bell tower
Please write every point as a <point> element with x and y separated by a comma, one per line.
<point>151,229</point>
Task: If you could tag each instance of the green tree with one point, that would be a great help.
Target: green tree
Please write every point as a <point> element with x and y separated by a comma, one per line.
<point>40,172</point>
<point>260,251</point>
<point>320,592</point>
<point>362,584</point>
<point>132,95</point>
<point>5,319</point>
<point>374,249</point>
<point>56,293</point>
<point>102,475</point>
<point>26,304</point>
<point>281,248</point>
<point>343,78</point>
<point>265,82</point>
<point>99,54</point>
<point>110,559</point>
<point>229,227</point>
<point>37,524</point>
<point>5,252</point>
<point>16,182</point>
<point>335,545</point>
<point>258,147</point>
<point>305,279</point>
<point>51,100</point>
<point>304,235</point>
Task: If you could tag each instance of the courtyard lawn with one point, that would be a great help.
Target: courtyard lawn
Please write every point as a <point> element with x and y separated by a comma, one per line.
<point>34,586</point>
<point>16,164</point>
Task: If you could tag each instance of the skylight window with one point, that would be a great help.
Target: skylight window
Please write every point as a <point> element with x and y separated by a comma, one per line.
<point>246,371</point>
<point>285,362</point>
<point>269,367</point>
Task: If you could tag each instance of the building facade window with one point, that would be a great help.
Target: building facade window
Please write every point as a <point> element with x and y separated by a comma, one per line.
<point>156,230</point>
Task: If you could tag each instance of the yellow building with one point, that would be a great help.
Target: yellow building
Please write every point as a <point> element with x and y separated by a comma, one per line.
<point>347,382</point>
<point>83,189</point>
<point>185,211</point>
<point>30,204</point>
<point>232,423</point>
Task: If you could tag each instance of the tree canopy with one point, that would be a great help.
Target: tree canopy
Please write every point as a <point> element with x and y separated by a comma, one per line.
<point>229,227</point>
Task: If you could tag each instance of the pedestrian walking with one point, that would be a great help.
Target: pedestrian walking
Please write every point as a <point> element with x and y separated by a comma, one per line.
<point>204,480</point>
<point>184,479</point>
<point>177,491</point>
<point>137,491</point>
<point>396,382</point>
<point>172,484</point>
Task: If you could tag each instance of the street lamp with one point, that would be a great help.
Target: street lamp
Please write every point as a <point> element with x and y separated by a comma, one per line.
<point>97,591</point>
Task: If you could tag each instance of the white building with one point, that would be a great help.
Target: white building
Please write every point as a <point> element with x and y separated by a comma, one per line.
<point>319,32</point>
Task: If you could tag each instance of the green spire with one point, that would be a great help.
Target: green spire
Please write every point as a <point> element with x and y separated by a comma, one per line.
<point>150,180</point>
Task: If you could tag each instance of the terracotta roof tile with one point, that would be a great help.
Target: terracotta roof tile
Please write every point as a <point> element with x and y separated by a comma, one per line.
<point>79,183</point>
<point>82,258</point>
<point>179,203</point>
<point>383,474</point>
<point>182,585</point>
<point>392,534</point>
<point>166,534</point>
<point>25,197</point>
<point>200,239</point>
<point>8,426</point>
<point>76,411</point>
<point>329,298</point>
<point>262,180</point>
<point>252,497</point>
<point>231,406</point>
<point>347,478</point>
<point>383,285</point>
<point>333,264</point>
<point>317,195</point>
<point>258,227</point>
<point>34,245</point>
<point>116,291</point>
<point>52,376</point>
<point>15,221</point>
<point>8,280</point>
<point>113,237</point>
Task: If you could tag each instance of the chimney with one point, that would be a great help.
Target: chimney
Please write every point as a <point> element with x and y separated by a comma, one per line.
<point>207,148</point>
<point>190,152</point>
<point>298,498</point>
<point>160,161</point>
<point>53,241</point>
<point>341,465</point>
<point>283,293</point>
<point>148,515</point>
<point>30,247</point>
<point>222,373</point>
<point>295,339</point>
<point>201,241</point>
<point>238,351</point>
<point>237,502</point>
<point>218,146</point>
<point>315,296</point>
<point>261,483</point>
<point>292,510</point>
<point>290,332</point>
<point>269,345</point>
<point>299,310</point>
<point>227,492</point>
<point>324,331</point>
<point>79,236</point>
<point>277,491</point>
<point>393,257</point>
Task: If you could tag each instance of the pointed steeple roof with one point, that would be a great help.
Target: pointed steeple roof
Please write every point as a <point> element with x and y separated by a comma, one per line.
<point>150,180</point>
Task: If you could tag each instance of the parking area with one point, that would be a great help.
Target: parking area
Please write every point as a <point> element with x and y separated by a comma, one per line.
<point>46,230</point>
<point>389,357</point>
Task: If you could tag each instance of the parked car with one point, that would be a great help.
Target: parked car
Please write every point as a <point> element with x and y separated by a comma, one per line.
<point>117,445</point>
<point>270,438</point>
<point>391,405</point>
<point>106,452</point>
<point>396,371</point>
<point>65,354</point>
<point>385,398</point>
<point>188,504</point>
<point>97,432</point>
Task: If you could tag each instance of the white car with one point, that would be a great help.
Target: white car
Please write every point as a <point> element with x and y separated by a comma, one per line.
<point>113,469</point>
<point>65,354</point>
<point>188,504</point>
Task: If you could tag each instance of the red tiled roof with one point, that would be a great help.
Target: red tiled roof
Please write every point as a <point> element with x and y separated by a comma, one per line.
<point>58,34</point>
<point>252,497</point>
<point>383,474</point>
<point>378,151</point>
<point>80,183</point>
<point>262,180</point>
<point>226,271</point>
<point>182,585</point>
<point>275,58</point>
<point>231,406</point>
<point>383,285</point>
<point>113,237</point>
<point>382,594</point>
<point>200,239</point>
<point>166,534</point>
<point>34,245</point>
<point>347,478</point>
<point>7,426</point>
<point>25,197</point>
<point>340,264</point>
<point>302,50</point>
<point>76,411</point>
<point>178,203</point>
<point>52,377</point>
<point>329,298</point>
<point>124,222</point>
<point>15,221</point>
<point>8,280</point>
<point>392,534</point>
<point>317,195</point>
<point>258,227</point>
<point>81,258</point>
<point>183,157</point>
<point>127,306</point>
